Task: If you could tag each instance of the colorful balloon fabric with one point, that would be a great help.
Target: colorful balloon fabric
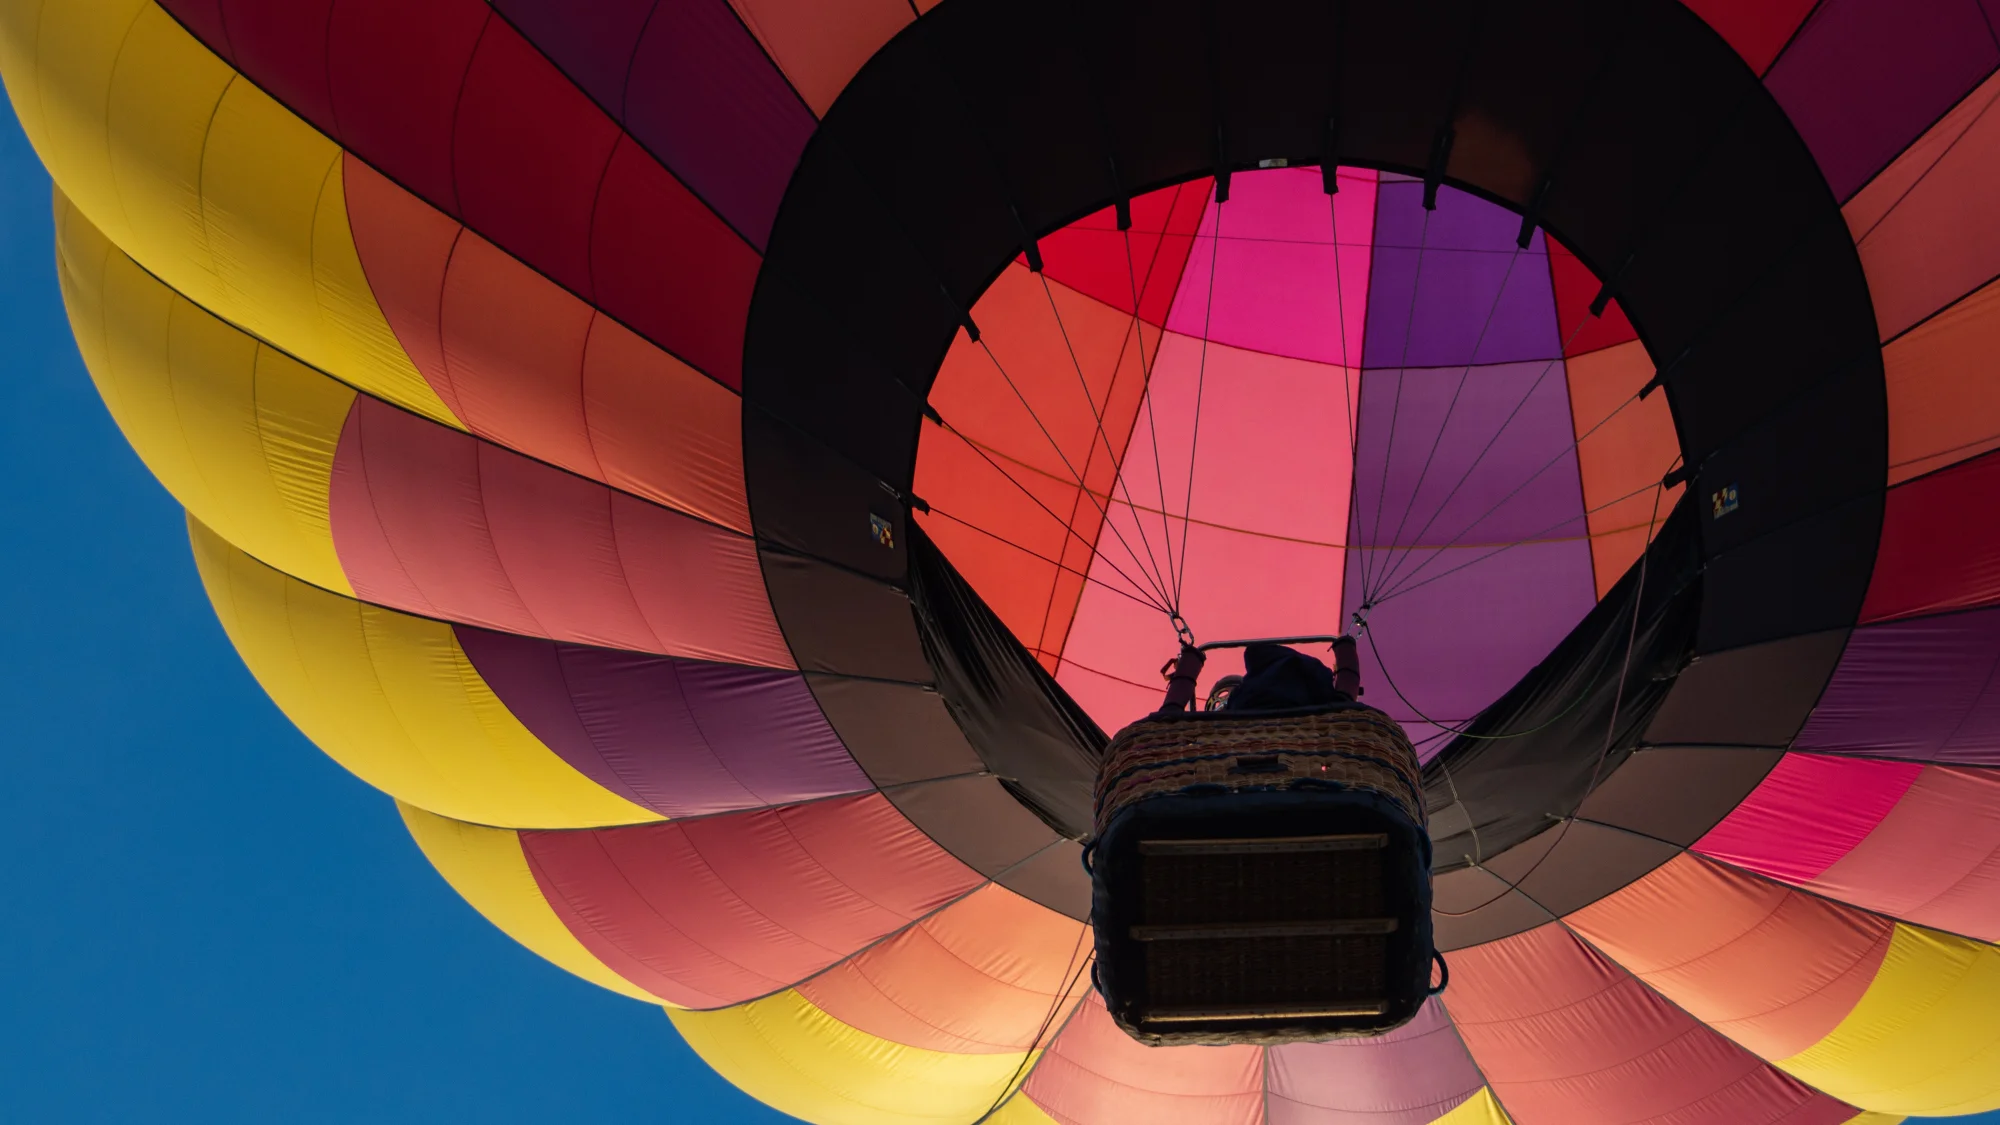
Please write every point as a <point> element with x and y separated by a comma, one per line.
<point>722,465</point>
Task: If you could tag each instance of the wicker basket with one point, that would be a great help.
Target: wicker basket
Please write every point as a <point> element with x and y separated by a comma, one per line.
<point>1353,746</point>
<point>1261,878</point>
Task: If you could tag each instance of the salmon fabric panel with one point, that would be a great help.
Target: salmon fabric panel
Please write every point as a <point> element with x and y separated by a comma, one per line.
<point>1094,1074</point>
<point>1769,967</point>
<point>1563,1035</point>
<point>712,912</point>
<point>437,522</point>
<point>991,973</point>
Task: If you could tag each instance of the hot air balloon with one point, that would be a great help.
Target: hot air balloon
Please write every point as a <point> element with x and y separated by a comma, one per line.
<point>723,467</point>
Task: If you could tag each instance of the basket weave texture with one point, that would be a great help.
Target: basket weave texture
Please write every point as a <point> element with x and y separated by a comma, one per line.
<point>1356,747</point>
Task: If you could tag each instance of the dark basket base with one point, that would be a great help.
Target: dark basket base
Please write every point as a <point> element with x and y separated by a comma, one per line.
<point>1262,916</point>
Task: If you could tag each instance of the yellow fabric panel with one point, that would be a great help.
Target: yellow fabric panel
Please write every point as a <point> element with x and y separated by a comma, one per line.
<point>394,699</point>
<point>1925,1038</point>
<point>1479,1109</point>
<point>795,1058</point>
<point>1875,1119</point>
<point>241,434</point>
<point>490,872</point>
<point>204,180</point>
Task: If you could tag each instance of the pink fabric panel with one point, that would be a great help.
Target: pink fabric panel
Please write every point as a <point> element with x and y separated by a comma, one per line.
<point>437,522</point>
<point>716,911</point>
<point>1411,1076</point>
<point>1808,812</point>
<point>1094,1074</point>
<point>1276,286</point>
<point>1934,859</point>
<point>1262,416</point>
<point>1565,1036</point>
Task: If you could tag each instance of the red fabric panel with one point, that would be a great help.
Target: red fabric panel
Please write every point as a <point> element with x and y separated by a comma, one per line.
<point>1094,1074</point>
<point>1575,288</point>
<point>528,152</point>
<point>712,912</point>
<point>1940,544</point>
<point>985,975</point>
<point>521,361</point>
<point>437,522</point>
<point>1934,860</point>
<point>1564,1036</point>
<point>203,19</point>
<point>1095,258</point>
<point>1769,967</point>
<point>1758,29</point>
<point>395,70</point>
<point>664,264</point>
<point>456,106</point>
<point>1808,812</point>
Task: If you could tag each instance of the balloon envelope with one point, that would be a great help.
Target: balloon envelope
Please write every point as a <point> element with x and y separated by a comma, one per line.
<point>722,466</point>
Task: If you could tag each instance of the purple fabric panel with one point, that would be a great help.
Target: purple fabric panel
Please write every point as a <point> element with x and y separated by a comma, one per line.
<point>1480,455</point>
<point>1411,1076</point>
<point>1454,646</point>
<point>691,84</point>
<point>591,43</point>
<point>1462,615</point>
<point>1864,78</point>
<point>1479,298</point>
<point>680,737</point>
<point>705,100</point>
<point>1926,689</point>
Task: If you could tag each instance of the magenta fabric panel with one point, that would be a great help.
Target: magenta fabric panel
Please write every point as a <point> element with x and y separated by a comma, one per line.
<point>1864,78</point>
<point>1926,689</point>
<point>1411,1076</point>
<point>1478,298</point>
<point>680,737</point>
<point>1807,813</point>
<point>1477,459</point>
<point>707,913</point>
<point>1563,1035</point>
<point>1934,859</point>
<point>449,101</point>
<point>435,521</point>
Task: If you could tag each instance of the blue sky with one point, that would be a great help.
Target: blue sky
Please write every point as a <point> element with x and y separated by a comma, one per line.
<point>207,920</point>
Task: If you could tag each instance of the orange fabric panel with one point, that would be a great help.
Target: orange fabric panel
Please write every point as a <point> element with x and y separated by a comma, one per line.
<point>1624,451</point>
<point>1768,966</point>
<point>1926,227</point>
<point>1079,427</point>
<point>819,44</point>
<point>1095,1074</point>
<point>1942,405</point>
<point>523,362</point>
<point>992,973</point>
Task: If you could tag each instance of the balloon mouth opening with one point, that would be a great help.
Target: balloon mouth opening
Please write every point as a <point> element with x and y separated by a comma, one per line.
<point>1266,413</point>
